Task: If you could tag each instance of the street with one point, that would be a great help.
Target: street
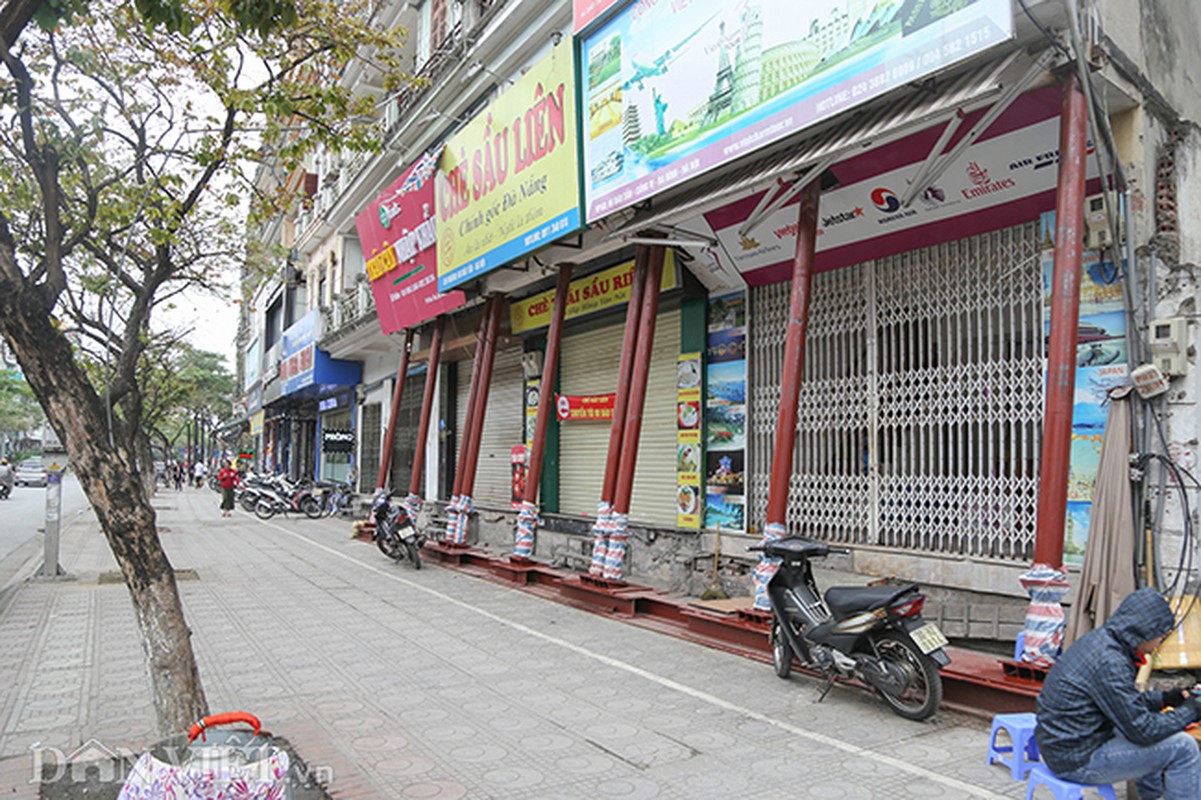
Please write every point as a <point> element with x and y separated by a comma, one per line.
<point>396,683</point>
<point>24,512</point>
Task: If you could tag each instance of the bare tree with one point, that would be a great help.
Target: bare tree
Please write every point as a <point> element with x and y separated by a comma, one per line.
<point>124,178</point>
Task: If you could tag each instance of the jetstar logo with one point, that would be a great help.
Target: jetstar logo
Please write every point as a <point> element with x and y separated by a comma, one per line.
<point>841,217</point>
<point>982,184</point>
<point>885,200</point>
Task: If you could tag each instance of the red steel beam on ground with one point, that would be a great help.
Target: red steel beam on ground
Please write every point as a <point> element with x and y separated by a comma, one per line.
<point>469,415</point>
<point>427,407</point>
<point>546,392</point>
<point>794,354</point>
<point>492,333</point>
<point>628,344</point>
<point>638,379</point>
<point>1065,318</point>
<point>385,461</point>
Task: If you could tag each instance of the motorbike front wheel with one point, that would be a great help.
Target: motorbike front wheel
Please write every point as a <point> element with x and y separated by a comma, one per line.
<point>264,509</point>
<point>388,547</point>
<point>923,691</point>
<point>311,507</point>
<point>781,651</point>
<point>414,550</point>
<point>249,500</point>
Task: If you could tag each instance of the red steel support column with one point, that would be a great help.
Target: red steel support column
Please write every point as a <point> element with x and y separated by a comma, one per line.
<point>790,385</point>
<point>1065,317</point>
<point>456,491</point>
<point>616,550</point>
<point>413,501</point>
<point>385,460</point>
<point>604,509</point>
<point>528,518</point>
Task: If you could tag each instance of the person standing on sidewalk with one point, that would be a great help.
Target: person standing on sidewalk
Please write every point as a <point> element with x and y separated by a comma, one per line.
<point>1094,726</point>
<point>228,478</point>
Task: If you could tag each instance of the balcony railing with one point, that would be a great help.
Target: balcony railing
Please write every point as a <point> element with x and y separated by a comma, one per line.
<point>348,312</point>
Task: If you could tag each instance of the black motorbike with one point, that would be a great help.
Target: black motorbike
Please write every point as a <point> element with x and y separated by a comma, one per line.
<point>395,535</point>
<point>5,490</point>
<point>875,634</point>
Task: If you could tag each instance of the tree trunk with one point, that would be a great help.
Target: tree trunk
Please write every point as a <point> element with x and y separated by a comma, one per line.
<point>119,500</point>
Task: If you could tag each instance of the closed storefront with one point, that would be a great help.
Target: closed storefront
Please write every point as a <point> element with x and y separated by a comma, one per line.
<point>589,365</point>
<point>404,436</point>
<point>921,399</point>
<point>503,426</point>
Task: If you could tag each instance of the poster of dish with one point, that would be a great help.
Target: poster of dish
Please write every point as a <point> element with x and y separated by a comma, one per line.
<point>725,412</point>
<point>688,441</point>
<point>1101,365</point>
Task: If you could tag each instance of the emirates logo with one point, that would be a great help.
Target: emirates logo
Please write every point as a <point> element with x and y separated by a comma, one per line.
<point>977,173</point>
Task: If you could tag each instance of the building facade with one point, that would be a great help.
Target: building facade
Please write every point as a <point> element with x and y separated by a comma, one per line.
<point>934,129</point>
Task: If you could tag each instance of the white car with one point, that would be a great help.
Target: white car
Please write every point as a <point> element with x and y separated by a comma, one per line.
<point>31,473</point>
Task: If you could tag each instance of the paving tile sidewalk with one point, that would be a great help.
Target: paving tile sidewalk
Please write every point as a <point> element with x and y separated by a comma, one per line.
<point>395,683</point>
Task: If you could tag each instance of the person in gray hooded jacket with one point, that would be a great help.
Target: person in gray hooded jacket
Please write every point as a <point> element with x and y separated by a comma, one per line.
<point>1094,726</point>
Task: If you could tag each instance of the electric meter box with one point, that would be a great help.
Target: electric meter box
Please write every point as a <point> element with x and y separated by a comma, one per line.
<point>1169,344</point>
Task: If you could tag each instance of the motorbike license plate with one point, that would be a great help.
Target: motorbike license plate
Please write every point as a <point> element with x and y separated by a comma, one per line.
<point>928,638</point>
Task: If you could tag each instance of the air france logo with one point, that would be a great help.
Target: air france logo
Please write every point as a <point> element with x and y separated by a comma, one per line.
<point>886,201</point>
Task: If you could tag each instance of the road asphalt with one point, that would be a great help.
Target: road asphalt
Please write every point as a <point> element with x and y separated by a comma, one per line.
<point>396,683</point>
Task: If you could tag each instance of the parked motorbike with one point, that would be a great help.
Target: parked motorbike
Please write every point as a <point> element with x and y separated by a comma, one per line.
<point>5,490</point>
<point>274,500</point>
<point>875,634</point>
<point>334,497</point>
<point>395,535</point>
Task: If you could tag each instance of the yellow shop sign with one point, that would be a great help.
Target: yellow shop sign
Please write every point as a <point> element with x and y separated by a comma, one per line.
<point>605,289</point>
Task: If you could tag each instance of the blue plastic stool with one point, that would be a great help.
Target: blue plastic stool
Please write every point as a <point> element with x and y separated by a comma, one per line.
<point>1019,646</point>
<point>1064,790</point>
<point>1022,754</point>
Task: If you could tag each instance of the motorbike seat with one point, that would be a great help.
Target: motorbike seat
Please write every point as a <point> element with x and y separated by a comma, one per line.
<point>846,600</point>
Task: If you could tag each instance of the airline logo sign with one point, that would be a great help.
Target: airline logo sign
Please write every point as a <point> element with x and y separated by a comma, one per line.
<point>993,173</point>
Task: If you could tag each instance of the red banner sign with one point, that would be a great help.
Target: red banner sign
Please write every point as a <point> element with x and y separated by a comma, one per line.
<point>575,407</point>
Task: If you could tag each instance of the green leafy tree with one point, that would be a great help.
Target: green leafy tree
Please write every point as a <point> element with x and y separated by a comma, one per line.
<point>133,130</point>
<point>19,411</point>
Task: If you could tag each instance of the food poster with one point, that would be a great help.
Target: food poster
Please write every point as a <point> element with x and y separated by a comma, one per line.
<point>725,412</point>
<point>1101,365</point>
<point>688,441</point>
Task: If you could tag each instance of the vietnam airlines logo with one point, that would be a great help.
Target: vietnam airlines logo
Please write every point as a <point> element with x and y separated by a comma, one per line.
<point>886,201</point>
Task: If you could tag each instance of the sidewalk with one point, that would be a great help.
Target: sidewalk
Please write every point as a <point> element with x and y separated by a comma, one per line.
<point>394,683</point>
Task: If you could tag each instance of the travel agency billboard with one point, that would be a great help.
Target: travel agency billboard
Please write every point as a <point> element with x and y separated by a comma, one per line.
<point>675,89</point>
<point>508,183</point>
<point>398,232</point>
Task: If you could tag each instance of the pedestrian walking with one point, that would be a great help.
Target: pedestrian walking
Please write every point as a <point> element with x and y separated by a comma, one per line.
<point>198,472</point>
<point>177,475</point>
<point>228,478</point>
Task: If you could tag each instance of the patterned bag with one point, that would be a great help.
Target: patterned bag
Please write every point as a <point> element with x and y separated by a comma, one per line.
<point>236,765</point>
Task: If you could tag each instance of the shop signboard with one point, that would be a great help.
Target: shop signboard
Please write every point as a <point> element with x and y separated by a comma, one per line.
<point>256,423</point>
<point>586,11</point>
<point>398,232</point>
<point>1005,180</point>
<point>252,364</point>
<point>608,288</point>
<point>508,183</point>
<point>585,407</point>
<point>303,364</point>
<point>673,90</point>
<point>337,440</point>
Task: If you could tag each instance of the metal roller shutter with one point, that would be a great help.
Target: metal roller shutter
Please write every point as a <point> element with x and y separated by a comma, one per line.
<point>502,426</point>
<point>589,366</point>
